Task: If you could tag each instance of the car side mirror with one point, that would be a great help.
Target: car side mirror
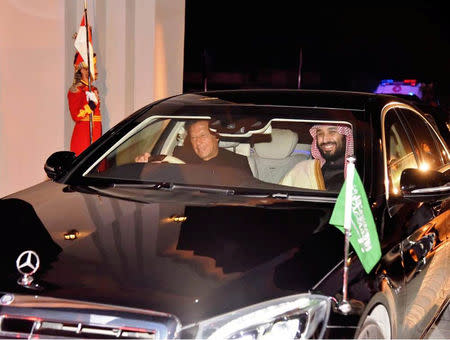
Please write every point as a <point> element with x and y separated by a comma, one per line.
<point>415,183</point>
<point>58,164</point>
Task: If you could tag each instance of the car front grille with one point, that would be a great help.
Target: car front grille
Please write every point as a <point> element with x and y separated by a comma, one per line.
<point>12,326</point>
<point>40,317</point>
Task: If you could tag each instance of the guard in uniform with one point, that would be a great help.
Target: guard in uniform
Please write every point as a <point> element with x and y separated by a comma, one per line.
<point>82,103</point>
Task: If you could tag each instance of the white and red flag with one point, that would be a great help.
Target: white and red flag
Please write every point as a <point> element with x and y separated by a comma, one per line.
<point>82,47</point>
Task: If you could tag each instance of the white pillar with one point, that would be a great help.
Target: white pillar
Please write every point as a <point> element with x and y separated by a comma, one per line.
<point>169,48</point>
<point>32,105</point>
<point>141,38</point>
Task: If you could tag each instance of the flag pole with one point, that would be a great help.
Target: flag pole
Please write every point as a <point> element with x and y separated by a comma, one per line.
<point>91,115</point>
<point>300,64</point>
<point>205,70</point>
<point>344,305</point>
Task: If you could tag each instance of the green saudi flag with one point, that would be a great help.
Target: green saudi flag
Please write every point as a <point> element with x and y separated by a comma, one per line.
<point>364,236</point>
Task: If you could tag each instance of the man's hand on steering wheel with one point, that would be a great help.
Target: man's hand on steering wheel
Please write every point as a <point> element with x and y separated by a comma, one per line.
<point>142,158</point>
<point>147,158</point>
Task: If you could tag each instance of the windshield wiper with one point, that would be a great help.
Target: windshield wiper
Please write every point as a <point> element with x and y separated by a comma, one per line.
<point>228,192</point>
<point>155,186</point>
<point>170,187</point>
<point>292,196</point>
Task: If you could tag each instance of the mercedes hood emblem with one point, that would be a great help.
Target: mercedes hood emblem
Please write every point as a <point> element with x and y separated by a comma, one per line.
<point>27,264</point>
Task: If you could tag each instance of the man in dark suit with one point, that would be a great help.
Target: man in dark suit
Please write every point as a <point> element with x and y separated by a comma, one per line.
<point>205,149</point>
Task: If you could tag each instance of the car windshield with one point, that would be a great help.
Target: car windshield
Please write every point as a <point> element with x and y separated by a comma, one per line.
<point>238,146</point>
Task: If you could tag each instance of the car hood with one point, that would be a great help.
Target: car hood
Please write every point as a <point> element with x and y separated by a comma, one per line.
<point>191,254</point>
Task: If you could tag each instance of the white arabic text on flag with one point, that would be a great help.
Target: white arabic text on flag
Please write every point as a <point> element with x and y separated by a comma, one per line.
<point>352,212</point>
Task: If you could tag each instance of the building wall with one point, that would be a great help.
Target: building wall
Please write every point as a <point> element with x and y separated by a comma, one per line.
<point>135,42</point>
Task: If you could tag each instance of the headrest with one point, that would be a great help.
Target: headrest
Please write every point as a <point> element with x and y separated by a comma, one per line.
<point>226,144</point>
<point>282,144</point>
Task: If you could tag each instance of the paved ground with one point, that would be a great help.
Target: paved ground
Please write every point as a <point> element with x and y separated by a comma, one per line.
<point>442,329</point>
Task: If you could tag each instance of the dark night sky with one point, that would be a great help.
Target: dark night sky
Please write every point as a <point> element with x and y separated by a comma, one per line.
<point>351,48</point>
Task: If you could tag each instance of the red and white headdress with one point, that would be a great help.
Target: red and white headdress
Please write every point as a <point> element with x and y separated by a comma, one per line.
<point>78,62</point>
<point>343,130</point>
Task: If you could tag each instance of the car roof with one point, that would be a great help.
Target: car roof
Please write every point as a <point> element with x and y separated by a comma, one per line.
<point>286,97</point>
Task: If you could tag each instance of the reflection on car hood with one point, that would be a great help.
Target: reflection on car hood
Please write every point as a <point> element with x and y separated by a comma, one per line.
<point>190,254</point>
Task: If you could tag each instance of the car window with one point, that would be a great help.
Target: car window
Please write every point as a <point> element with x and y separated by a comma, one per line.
<point>259,150</point>
<point>427,144</point>
<point>399,151</point>
<point>143,141</point>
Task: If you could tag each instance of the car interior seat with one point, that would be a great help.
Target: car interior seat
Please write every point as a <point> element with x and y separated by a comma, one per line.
<point>236,147</point>
<point>270,161</point>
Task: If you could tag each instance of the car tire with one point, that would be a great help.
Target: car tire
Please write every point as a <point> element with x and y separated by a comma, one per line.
<point>370,330</point>
<point>376,325</point>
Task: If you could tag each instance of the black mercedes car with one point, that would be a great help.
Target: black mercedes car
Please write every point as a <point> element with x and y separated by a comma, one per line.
<point>139,238</point>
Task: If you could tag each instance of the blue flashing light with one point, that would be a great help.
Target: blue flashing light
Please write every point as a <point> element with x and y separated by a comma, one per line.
<point>387,81</point>
<point>411,94</point>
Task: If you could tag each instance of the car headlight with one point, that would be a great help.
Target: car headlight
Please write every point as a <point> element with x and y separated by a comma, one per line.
<point>294,317</point>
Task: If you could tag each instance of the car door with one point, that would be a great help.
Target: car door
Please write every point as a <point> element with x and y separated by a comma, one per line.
<point>426,249</point>
<point>399,154</point>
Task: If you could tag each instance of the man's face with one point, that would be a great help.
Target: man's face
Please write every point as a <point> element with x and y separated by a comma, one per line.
<point>84,74</point>
<point>330,142</point>
<point>205,145</point>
